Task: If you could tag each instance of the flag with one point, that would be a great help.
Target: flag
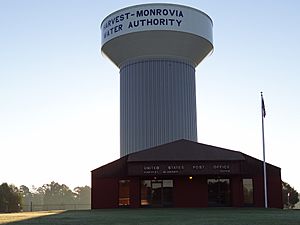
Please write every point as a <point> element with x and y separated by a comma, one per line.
<point>263,109</point>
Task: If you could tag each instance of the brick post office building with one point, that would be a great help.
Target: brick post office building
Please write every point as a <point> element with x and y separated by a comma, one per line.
<point>185,174</point>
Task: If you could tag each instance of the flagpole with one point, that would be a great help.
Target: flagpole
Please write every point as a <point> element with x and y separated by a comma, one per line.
<point>263,114</point>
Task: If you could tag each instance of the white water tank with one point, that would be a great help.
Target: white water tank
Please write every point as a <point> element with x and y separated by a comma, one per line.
<point>156,47</point>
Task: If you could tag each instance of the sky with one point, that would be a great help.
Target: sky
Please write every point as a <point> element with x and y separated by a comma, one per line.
<point>59,96</point>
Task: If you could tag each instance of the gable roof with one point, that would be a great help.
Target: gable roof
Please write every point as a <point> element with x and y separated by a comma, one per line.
<point>185,150</point>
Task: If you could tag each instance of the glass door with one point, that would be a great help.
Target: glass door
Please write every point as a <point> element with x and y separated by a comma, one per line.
<point>157,193</point>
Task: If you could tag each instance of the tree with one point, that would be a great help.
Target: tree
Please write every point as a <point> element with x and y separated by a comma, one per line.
<point>83,195</point>
<point>57,194</point>
<point>289,195</point>
<point>10,198</point>
<point>26,198</point>
<point>24,189</point>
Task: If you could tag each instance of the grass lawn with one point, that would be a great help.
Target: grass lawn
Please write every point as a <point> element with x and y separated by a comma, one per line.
<point>219,216</point>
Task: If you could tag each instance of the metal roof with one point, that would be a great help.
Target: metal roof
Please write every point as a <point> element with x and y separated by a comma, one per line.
<point>184,150</point>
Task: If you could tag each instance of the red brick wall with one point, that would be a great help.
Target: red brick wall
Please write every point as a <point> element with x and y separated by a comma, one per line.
<point>186,192</point>
<point>275,192</point>
<point>105,193</point>
<point>258,191</point>
<point>237,192</point>
<point>190,193</point>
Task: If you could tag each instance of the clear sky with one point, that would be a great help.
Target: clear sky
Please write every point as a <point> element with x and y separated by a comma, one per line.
<point>59,97</point>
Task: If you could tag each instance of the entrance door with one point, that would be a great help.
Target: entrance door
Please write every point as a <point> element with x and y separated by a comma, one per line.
<point>218,192</point>
<point>157,193</point>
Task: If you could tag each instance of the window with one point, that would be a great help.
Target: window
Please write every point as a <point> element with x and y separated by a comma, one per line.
<point>218,192</point>
<point>124,198</point>
<point>248,192</point>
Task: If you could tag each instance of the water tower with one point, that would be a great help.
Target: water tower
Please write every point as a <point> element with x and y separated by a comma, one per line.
<point>157,48</point>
